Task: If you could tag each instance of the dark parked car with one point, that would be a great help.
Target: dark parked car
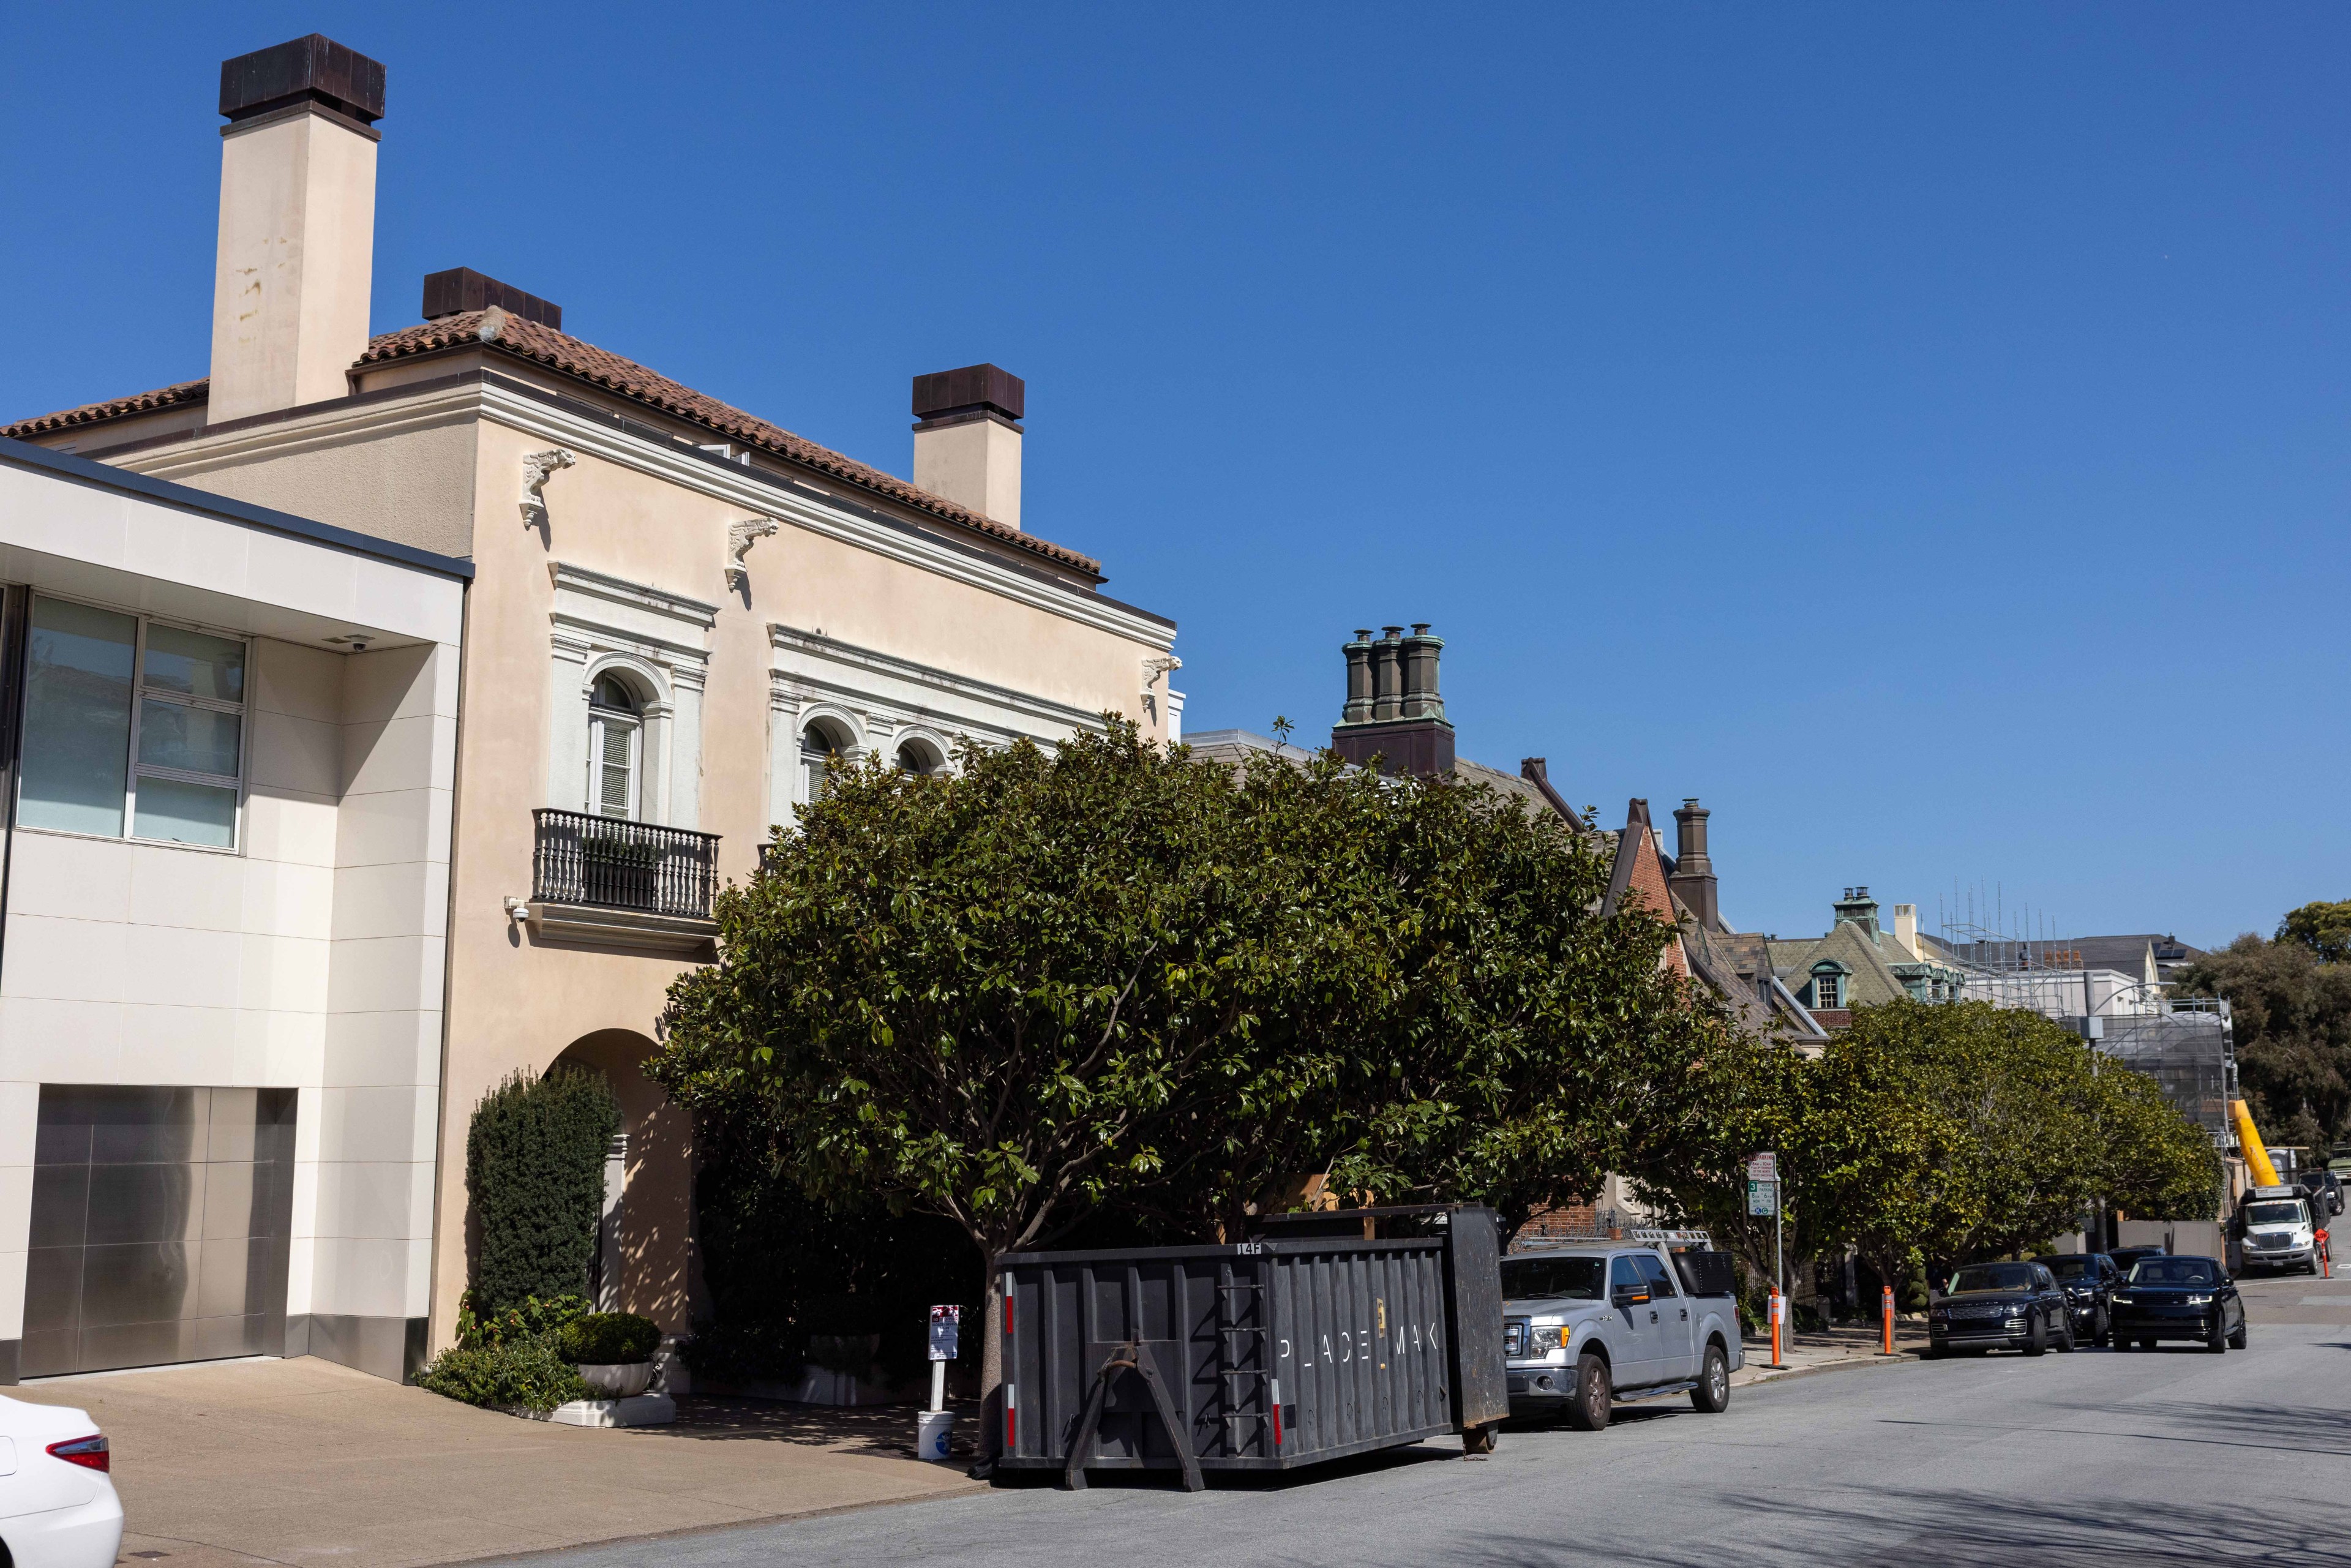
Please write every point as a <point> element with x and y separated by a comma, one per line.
<point>2125,1257</point>
<point>2000,1306</point>
<point>2180,1297</point>
<point>2325,1189</point>
<point>2089,1281</point>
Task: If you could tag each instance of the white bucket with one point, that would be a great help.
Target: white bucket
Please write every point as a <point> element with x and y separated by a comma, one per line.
<point>932,1427</point>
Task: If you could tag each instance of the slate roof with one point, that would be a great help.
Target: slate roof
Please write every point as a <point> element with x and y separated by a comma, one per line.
<point>1870,978</point>
<point>544,345</point>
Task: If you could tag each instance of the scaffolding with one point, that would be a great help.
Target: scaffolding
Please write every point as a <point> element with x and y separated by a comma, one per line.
<point>2187,1044</point>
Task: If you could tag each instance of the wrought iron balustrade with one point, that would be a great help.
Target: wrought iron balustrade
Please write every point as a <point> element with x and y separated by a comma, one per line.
<point>612,864</point>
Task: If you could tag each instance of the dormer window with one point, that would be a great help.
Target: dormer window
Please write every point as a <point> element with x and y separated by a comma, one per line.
<point>1828,989</point>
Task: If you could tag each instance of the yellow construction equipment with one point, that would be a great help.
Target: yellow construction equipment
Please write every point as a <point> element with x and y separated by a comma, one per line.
<point>2248,1138</point>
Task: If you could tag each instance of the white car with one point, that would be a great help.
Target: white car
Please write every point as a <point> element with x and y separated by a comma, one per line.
<point>57,1507</point>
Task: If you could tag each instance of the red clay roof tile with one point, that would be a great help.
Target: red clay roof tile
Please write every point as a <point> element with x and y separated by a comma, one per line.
<point>545,346</point>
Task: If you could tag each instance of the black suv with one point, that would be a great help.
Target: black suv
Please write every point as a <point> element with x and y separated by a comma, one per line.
<point>2089,1281</point>
<point>2000,1306</point>
<point>2326,1190</point>
<point>2180,1297</point>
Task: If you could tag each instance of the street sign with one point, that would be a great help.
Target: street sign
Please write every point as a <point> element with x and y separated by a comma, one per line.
<point>1762,1197</point>
<point>1764,1166</point>
<point>946,1323</point>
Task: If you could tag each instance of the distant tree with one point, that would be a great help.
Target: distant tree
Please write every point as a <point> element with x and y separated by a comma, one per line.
<point>2293,1019</point>
<point>2323,928</point>
<point>2158,1164</point>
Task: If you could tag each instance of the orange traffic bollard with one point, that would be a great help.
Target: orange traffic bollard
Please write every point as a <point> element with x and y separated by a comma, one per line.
<point>2325,1255</point>
<point>1886,1318</point>
<point>1779,1312</point>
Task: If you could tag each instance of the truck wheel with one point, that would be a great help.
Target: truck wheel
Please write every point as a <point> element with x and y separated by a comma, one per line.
<point>1712,1394</point>
<point>2237,1340</point>
<point>2065,1341</point>
<point>2217,1340</point>
<point>2036,1341</point>
<point>1587,1408</point>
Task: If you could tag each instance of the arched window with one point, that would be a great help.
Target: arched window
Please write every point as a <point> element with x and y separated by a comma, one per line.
<point>615,748</point>
<point>916,755</point>
<point>823,747</point>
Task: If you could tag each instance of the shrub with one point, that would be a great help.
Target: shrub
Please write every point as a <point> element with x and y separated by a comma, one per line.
<point>528,1319</point>
<point>535,1172</point>
<point>530,1373</point>
<point>601,1339</point>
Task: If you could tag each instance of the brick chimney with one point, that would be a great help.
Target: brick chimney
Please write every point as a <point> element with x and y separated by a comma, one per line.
<point>1693,881</point>
<point>297,246</point>
<point>967,439</point>
<point>1393,708</point>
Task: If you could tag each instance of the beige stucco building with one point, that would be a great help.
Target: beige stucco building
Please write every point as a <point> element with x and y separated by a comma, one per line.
<point>680,615</point>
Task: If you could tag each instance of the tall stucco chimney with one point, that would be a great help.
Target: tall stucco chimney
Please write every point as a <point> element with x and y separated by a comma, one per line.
<point>1693,881</point>
<point>967,439</point>
<point>297,248</point>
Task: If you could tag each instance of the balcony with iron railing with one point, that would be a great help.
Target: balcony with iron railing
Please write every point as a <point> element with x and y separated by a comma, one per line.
<point>612,882</point>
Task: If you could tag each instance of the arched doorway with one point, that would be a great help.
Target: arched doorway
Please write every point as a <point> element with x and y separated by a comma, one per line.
<point>646,1259</point>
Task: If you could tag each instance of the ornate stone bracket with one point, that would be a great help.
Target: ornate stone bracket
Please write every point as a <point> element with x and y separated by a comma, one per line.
<point>1158,666</point>
<point>740,536</point>
<point>536,470</point>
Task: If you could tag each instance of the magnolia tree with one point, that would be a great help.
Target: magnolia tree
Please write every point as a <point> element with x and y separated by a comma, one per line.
<point>1016,992</point>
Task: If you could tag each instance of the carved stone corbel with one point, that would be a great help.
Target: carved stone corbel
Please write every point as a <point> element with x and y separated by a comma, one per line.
<point>739,539</point>
<point>536,470</point>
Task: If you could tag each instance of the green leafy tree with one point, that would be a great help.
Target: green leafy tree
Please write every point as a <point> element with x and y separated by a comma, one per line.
<point>2158,1164</point>
<point>982,996</point>
<point>2323,928</point>
<point>2292,1018</point>
<point>535,1157</point>
<point>1113,975</point>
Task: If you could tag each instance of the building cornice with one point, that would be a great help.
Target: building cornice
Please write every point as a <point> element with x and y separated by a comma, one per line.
<point>831,651</point>
<point>542,414</point>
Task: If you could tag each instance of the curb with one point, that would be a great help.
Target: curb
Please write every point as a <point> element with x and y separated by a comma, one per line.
<point>1844,1363</point>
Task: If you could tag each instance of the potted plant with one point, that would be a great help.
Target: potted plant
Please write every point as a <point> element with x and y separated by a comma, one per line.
<point>613,1351</point>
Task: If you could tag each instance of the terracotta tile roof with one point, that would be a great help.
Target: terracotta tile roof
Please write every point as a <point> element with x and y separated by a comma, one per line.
<point>113,408</point>
<point>545,346</point>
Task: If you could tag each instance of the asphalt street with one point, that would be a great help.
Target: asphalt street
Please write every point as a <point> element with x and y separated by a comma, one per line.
<point>2171,1457</point>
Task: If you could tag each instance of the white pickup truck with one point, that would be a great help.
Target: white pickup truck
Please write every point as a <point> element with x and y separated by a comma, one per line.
<point>1590,1323</point>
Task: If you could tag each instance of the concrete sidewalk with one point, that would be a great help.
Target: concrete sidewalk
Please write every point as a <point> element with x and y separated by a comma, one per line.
<point>308,1463</point>
<point>1821,1350</point>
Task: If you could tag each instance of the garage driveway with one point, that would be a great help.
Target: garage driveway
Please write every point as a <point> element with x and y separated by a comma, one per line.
<point>308,1463</point>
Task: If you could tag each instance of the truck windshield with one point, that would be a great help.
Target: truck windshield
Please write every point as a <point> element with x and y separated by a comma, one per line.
<point>2287,1211</point>
<point>1993,1277</point>
<point>2174,1271</point>
<point>1578,1279</point>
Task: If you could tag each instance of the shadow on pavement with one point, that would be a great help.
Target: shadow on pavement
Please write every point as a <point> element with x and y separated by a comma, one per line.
<point>1930,1528</point>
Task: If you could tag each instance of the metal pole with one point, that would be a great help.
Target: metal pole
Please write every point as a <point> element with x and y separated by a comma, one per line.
<point>1779,1260</point>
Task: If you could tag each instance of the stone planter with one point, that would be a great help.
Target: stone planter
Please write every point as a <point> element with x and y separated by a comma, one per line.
<point>619,1379</point>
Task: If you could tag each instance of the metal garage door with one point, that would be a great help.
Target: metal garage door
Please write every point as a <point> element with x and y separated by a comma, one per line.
<point>161,1224</point>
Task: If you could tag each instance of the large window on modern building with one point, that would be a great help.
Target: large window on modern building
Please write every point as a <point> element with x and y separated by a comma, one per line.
<point>132,720</point>
<point>615,742</point>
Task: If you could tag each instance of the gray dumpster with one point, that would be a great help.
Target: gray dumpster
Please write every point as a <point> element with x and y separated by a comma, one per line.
<point>1263,1354</point>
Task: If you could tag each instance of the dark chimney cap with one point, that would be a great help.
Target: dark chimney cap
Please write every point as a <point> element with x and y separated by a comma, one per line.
<point>461,289</point>
<point>975,389</point>
<point>315,69</point>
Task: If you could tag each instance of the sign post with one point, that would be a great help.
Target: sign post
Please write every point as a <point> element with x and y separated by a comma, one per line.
<point>1763,1189</point>
<point>934,1427</point>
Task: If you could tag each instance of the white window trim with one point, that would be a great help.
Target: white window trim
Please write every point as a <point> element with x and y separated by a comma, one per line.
<point>133,769</point>
<point>601,623</point>
<point>600,722</point>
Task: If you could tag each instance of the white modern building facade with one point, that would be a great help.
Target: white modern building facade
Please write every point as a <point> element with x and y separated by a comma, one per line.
<point>229,738</point>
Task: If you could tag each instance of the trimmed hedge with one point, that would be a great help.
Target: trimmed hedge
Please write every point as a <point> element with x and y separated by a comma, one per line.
<point>529,1373</point>
<point>601,1339</point>
<point>535,1171</point>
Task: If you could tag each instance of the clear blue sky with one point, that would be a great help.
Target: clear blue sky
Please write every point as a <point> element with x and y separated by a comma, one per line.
<point>1918,431</point>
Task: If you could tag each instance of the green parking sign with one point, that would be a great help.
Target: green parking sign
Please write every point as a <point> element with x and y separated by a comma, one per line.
<point>1762,1197</point>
